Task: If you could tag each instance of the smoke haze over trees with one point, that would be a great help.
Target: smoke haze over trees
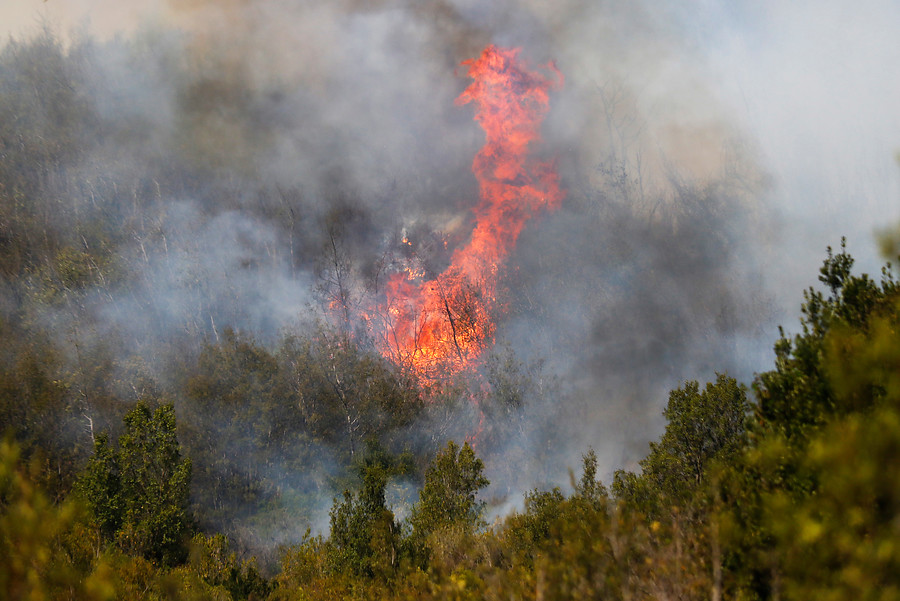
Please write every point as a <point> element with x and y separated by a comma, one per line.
<point>198,199</point>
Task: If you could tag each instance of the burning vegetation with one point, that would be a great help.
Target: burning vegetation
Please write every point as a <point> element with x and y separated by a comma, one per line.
<point>439,325</point>
<point>251,293</point>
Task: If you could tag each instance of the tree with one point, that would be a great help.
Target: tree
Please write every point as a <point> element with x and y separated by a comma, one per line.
<point>364,536</point>
<point>702,426</point>
<point>37,407</point>
<point>448,495</point>
<point>346,394</point>
<point>588,486</point>
<point>676,489</point>
<point>797,515</point>
<point>797,395</point>
<point>213,561</point>
<point>38,546</point>
<point>100,486</point>
<point>138,493</point>
<point>835,533</point>
<point>526,533</point>
<point>571,544</point>
<point>155,485</point>
<point>237,397</point>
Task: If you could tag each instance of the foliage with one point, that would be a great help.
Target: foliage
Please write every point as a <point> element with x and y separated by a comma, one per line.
<point>38,540</point>
<point>703,426</point>
<point>365,539</point>
<point>239,414</point>
<point>841,542</point>
<point>841,539</point>
<point>262,425</point>
<point>364,536</point>
<point>138,492</point>
<point>347,394</point>
<point>36,407</point>
<point>448,496</point>
<point>831,384</point>
<point>213,561</point>
<point>797,395</point>
<point>305,573</point>
<point>100,486</point>
<point>788,495</point>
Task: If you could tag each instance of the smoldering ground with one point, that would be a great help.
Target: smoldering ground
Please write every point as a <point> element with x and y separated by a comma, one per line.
<point>242,160</point>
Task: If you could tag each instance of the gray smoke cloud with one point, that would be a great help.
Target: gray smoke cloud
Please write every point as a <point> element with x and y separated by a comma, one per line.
<point>710,151</point>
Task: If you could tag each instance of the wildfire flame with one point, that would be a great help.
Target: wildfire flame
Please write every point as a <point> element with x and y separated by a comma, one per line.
<point>442,326</point>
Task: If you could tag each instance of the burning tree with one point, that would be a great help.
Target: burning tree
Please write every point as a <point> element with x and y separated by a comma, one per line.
<point>441,325</point>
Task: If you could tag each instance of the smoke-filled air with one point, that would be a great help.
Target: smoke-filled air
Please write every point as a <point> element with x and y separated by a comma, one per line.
<point>315,300</point>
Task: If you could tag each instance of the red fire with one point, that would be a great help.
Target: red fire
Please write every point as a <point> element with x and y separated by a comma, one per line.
<point>442,326</point>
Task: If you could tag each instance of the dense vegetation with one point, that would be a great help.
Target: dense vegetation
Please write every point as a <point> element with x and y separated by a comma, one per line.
<point>116,482</point>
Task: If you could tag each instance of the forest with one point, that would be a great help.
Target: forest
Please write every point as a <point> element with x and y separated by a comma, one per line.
<point>191,407</point>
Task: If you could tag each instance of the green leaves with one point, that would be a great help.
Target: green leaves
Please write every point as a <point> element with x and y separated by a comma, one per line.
<point>364,535</point>
<point>797,396</point>
<point>702,426</point>
<point>368,543</point>
<point>100,486</point>
<point>39,541</point>
<point>448,496</point>
<point>138,493</point>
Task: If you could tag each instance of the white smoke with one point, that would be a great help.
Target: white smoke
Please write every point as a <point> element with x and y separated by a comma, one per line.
<point>711,150</point>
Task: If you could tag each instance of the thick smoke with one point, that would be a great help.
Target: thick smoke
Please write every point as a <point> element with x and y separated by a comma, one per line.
<point>710,152</point>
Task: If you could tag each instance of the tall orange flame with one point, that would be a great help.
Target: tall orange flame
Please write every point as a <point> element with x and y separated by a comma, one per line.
<point>442,326</point>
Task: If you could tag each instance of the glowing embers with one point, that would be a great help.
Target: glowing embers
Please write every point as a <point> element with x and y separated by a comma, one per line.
<point>441,326</point>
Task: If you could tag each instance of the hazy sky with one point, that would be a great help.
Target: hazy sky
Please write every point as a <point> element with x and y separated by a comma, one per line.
<point>812,85</point>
